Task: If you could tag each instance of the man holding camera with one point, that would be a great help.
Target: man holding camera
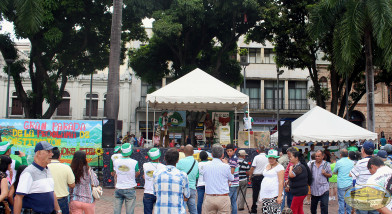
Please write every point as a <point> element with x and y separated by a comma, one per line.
<point>18,159</point>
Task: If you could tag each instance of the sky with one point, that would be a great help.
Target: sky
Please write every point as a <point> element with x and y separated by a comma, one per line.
<point>7,27</point>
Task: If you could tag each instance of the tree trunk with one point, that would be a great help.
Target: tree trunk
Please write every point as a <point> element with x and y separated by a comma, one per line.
<point>334,90</point>
<point>369,81</point>
<point>112,102</point>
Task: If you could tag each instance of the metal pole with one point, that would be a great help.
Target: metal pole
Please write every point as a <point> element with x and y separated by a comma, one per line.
<point>235,125</point>
<point>147,122</point>
<point>347,116</point>
<point>91,96</point>
<point>8,87</point>
<point>249,129</point>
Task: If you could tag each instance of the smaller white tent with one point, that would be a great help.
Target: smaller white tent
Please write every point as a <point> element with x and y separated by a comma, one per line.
<point>320,125</point>
<point>197,91</point>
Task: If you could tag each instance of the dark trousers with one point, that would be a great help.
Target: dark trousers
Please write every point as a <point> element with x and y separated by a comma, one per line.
<point>256,183</point>
<point>148,202</point>
<point>324,198</point>
<point>63,203</point>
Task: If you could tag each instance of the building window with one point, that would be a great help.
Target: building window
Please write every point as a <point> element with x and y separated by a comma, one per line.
<point>323,82</point>
<point>253,91</point>
<point>297,95</point>
<point>254,55</point>
<point>269,56</point>
<point>104,106</point>
<point>390,94</point>
<point>94,105</point>
<point>271,95</point>
<point>149,88</point>
<point>63,108</point>
<point>17,108</point>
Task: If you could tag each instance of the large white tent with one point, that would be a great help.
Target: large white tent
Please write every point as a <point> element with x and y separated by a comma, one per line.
<point>197,91</point>
<point>320,125</point>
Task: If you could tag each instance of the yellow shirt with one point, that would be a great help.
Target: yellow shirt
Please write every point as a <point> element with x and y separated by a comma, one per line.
<point>182,155</point>
<point>62,175</point>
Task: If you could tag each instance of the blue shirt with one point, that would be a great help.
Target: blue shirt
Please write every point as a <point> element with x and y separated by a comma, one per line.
<point>185,165</point>
<point>343,168</point>
<point>170,188</point>
<point>383,141</point>
<point>217,176</point>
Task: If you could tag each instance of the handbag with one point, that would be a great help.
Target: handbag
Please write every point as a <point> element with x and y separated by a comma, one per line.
<point>95,191</point>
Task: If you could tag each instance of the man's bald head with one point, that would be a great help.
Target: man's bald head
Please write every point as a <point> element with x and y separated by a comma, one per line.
<point>188,150</point>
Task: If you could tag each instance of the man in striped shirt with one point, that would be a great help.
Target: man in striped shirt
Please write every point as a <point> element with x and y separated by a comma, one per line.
<point>244,168</point>
<point>360,172</point>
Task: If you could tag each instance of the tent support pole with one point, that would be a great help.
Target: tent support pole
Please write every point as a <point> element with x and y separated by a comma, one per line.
<point>235,126</point>
<point>147,122</point>
<point>249,129</point>
<point>153,128</point>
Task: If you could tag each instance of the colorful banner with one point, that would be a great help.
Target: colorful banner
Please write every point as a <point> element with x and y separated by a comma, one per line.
<point>177,118</point>
<point>69,135</point>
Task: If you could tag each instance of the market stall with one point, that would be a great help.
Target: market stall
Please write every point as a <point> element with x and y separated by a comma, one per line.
<point>198,91</point>
<point>320,125</point>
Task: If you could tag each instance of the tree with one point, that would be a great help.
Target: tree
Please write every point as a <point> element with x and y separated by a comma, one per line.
<point>195,33</point>
<point>285,26</point>
<point>363,26</point>
<point>113,91</point>
<point>72,39</point>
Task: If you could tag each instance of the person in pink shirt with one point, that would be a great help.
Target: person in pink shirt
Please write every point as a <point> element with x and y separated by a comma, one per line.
<point>288,197</point>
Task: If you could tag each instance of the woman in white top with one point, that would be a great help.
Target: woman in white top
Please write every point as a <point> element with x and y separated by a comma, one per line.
<point>271,188</point>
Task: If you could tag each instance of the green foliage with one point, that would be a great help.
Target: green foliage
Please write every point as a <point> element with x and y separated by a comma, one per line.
<point>191,34</point>
<point>325,93</point>
<point>243,52</point>
<point>68,38</point>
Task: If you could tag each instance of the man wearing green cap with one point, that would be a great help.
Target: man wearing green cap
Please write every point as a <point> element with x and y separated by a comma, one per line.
<point>17,160</point>
<point>127,169</point>
<point>149,168</point>
<point>115,156</point>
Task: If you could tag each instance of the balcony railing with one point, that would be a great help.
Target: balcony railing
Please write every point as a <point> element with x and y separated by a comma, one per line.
<point>99,113</point>
<point>256,104</point>
<point>62,114</point>
<point>142,102</point>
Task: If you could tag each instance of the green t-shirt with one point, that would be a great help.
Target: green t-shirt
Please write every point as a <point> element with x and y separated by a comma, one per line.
<point>352,148</point>
<point>334,178</point>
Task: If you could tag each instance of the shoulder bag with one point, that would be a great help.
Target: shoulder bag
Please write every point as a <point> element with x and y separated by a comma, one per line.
<point>95,191</point>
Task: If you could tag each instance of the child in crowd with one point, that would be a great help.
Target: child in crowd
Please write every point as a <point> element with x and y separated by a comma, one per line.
<point>333,181</point>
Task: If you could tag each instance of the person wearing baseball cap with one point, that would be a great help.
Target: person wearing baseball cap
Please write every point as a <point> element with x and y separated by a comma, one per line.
<point>149,168</point>
<point>127,169</point>
<point>35,192</point>
<point>271,188</point>
<point>388,149</point>
<point>117,154</point>
<point>384,156</point>
<point>243,171</point>
<point>360,172</point>
<point>17,159</point>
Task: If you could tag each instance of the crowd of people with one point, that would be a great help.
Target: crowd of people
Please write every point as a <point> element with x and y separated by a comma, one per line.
<point>46,186</point>
<point>281,180</point>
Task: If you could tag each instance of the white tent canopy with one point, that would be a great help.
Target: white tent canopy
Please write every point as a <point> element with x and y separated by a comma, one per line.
<point>320,125</point>
<point>197,91</point>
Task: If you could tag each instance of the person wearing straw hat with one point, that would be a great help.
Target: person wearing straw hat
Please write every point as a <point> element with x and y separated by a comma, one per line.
<point>271,188</point>
<point>150,168</point>
<point>115,156</point>
<point>17,160</point>
<point>127,169</point>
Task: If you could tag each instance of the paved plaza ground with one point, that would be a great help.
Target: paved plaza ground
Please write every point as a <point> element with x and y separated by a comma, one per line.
<point>105,204</point>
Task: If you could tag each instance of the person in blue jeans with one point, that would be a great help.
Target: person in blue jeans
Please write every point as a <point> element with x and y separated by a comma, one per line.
<point>233,185</point>
<point>344,181</point>
<point>200,182</point>
<point>190,166</point>
<point>149,168</point>
<point>127,170</point>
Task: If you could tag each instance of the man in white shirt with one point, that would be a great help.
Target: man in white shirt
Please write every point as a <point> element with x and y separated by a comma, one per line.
<point>381,176</point>
<point>360,171</point>
<point>127,169</point>
<point>248,122</point>
<point>150,168</point>
<point>217,175</point>
<point>256,175</point>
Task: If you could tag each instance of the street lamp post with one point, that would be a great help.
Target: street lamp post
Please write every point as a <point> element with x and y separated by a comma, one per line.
<point>278,73</point>
<point>9,62</point>
<point>244,63</point>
